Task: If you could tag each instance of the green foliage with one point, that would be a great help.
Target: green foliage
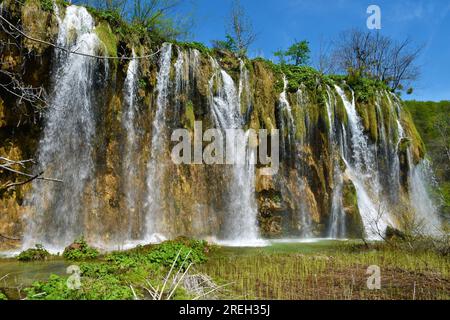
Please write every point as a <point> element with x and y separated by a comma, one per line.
<point>110,278</point>
<point>297,54</point>
<point>34,254</point>
<point>192,251</point>
<point>55,288</point>
<point>229,44</point>
<point>309,77</point>
<point>80,250</point>
<point>3,297</point>
<point>364,88</point>
<point>194,45</point>
<point>142,83</point>
<point>108,38</point>
<point>189,116</point>
<point>46,5</point>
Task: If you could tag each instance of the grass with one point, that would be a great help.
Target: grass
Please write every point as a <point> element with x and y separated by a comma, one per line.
<point>296,271</point>
<point>328,271</point>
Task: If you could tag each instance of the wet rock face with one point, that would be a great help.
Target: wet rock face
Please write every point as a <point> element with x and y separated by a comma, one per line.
<point>194,200</point>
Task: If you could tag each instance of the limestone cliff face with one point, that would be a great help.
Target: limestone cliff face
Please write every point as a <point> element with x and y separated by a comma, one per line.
<point>318,190</point>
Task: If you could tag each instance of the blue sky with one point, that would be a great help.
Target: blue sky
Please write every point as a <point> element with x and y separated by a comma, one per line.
<point>279,22</point>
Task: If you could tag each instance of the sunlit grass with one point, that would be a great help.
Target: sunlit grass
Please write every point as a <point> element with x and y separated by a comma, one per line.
<point>328,270</point>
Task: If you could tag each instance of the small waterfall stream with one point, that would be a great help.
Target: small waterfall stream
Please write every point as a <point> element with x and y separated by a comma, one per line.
<point>155,225</point>
<point>361,171</point>
<point>130,149</point>
<point>240,225</point>
<point>65,150</point>
<point>337,224</point>
<point>303,214</point>
<point>426,214</point>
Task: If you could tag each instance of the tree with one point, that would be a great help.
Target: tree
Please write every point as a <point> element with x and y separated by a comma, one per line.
<point>369,54</point>
<point>240,29</point>
<point>229,44</point>
<point>155,16</point>
<point>297,54</point>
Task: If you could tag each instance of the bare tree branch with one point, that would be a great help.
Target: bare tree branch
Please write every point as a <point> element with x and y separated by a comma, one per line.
<point>75,52</point>
<point>7,164</point>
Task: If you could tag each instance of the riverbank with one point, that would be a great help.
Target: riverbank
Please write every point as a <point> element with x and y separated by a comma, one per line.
<point>299,271</point>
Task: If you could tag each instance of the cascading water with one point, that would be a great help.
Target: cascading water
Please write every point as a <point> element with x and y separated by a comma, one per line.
<point>64,211</point>
<point>155,226</point>
<point>337,224</point>
<point>361,171</point>
<point>426,213</point>
<point>65,150</point>
<point>240,225</point>
<point>303,214</point>
<point>130,170</point>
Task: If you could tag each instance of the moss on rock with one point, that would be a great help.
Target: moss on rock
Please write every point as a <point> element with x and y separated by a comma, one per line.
<point>108,38</point>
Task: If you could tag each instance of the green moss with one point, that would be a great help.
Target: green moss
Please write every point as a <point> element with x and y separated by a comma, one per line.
<point>47,5</point>
<point>79,251</point>
<point>416,140</point>
<point>108,38</point>
<point>34,254</point>
<point>354,223</point>
<point>189,116</point>
<point>298,113</point>
<point>367,112</point>
<point>195,45</point>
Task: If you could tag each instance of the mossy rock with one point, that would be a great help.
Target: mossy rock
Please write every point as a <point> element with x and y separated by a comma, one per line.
<point>108,38</point>
<point>36,22</point>
<point>189,116</point>
<point>79,251</point>
<point>354,223</point>
<point>34,254</point>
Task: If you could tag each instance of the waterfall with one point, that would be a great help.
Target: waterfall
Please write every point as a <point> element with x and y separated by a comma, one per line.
<point>361,171</point>
<point>65,149</point>
<point>241,223</point>
<point>130,170</point>
<point>186,71</point>
<point>303,214</point>
<point>155,224</point>
<point>426,213</point>
<point>337,229</point>
<point>337,224</point>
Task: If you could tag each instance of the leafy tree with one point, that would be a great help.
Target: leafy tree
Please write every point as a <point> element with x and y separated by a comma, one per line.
<point>228,44</point>
<point>297,54</point>
<point>155,16</point>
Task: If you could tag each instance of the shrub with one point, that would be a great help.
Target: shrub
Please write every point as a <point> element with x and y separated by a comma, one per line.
<point>47,5</point>
<point>3,297</point>
<point>55,288</point>
<point>34,254</point>
<point>192,251</point>
<point>195,45</point>
<point>80,250</point>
